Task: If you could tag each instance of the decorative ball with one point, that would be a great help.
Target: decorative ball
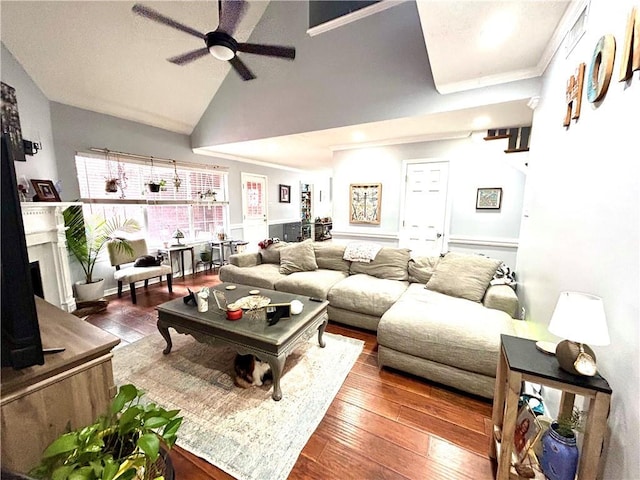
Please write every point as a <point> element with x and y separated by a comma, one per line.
<point>296,307</point>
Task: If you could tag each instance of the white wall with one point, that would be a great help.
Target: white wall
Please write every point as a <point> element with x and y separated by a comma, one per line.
<point>473,163</point>
<point>582,230</point>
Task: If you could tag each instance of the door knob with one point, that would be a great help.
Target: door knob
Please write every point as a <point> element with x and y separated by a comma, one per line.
<point>438,235</point>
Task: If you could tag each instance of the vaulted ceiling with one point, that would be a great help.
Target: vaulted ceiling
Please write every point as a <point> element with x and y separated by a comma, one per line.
<point>100,57</point>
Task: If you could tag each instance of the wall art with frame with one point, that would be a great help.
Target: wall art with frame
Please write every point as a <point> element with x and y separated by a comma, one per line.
<point>365,200</point>
<point>285,193</point>
<point>489,199</point>
<point>10,121</point>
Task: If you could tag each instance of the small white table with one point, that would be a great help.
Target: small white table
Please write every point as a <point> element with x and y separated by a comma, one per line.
<point>169,251</point>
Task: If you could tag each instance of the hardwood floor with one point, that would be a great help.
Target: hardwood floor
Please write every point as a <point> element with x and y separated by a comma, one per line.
<point>383,424</point>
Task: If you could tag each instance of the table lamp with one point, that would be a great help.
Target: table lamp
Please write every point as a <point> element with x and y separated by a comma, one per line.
<point>580,319</point>
<point>178,235</point>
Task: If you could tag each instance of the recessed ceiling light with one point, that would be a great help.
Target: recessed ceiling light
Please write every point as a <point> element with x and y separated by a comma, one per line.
<point>481,121</point>
<point>358,136</point>
<point>496,30</point>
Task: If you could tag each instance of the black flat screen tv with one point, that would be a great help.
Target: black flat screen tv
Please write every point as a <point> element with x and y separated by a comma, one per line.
<point>21,343</point>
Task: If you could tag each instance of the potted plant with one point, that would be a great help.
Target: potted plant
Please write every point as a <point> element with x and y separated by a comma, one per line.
<point>155,187</point>
<point>85,241</point>
<point>130,441</point>
<point>559,449</point>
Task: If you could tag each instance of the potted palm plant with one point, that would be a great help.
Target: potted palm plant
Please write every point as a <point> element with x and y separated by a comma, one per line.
<point>85,241</point>
<point>130,441</point>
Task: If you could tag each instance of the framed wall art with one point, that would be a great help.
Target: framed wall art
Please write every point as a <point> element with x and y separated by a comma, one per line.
<point>10,121</point>
<point>365,200</point>
<point>527,430</point>
<point>285,193</point>
<point>45,191</point>
<point>489,199</point>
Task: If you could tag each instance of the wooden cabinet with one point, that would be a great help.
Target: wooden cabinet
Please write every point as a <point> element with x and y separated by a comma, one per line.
<point>72,388</point>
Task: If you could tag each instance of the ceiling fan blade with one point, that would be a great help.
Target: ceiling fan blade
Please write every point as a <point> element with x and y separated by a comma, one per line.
<point>270,50</point>
<point>230,14</point>
<point>189,56</point>
<point>151,14</point>
<point>241,68</point>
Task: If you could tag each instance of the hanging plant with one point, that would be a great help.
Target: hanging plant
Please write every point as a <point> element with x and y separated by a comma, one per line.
<point>177,181</point>
<point>111,185</point>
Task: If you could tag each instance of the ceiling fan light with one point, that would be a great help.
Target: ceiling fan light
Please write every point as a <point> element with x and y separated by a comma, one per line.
<point>221,52</point>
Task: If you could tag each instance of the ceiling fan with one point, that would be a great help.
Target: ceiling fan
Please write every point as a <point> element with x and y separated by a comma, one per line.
<point>219,42</point>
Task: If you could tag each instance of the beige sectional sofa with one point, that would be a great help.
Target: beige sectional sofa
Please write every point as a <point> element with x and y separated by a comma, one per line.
<point>435,317</point>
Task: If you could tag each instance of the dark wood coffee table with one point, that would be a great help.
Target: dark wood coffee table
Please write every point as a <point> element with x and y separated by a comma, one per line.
<point>250,334</point>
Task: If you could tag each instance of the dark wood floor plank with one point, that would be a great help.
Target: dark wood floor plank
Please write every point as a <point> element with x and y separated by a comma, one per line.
<point>409,438</point>
<point>383,424</point>
<point>456,434</point>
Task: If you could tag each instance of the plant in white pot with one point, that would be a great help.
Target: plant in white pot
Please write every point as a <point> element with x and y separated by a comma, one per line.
<point>85,241</point>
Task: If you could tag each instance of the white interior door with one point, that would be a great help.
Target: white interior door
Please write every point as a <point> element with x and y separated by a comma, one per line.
<point>425,207</point>
<point>254,208</point>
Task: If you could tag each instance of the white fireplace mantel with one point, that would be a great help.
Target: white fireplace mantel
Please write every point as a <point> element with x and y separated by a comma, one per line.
<point>46,243</point>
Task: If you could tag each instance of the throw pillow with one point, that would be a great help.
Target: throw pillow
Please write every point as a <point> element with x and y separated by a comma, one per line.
<point>297,257</point>
<point>421,268</point>
<point>329,256</point>
<point>271,254</point>
<point>463,276</point>
<point>390,264</point>
<point>147,261</point>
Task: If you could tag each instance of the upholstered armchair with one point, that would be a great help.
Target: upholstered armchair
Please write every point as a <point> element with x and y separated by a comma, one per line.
<point>131,274</point>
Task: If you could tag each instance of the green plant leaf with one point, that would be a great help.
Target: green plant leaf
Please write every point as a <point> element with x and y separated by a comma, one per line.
<point>129,419</point>
<point>110,469</point>
<point>171,428</point>
<point>83,473</point>
<point>62,473</point>
<point>63,444</point>
<point>170,413</point>
<point>149,443</point>
<point>125,394</point>
<point>155,422</point>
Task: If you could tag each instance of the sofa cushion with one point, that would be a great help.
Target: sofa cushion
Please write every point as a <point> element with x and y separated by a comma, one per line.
<point>329,256</point>
<point>463,276</point>
<point>366,294</point>
<point>448,330</point>
<point>390,264</point>
<point>297,257</point>
<point>312,284</point>
<point>421,268</point>
<point>271,254</point>
<point>137,274</point>
<point>264,275</point>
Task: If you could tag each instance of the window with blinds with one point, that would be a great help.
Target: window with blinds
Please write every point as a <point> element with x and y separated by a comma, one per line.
<point>160,213</point>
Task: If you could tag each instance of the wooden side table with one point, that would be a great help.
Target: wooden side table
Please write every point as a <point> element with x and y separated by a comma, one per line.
<point>520,361</point>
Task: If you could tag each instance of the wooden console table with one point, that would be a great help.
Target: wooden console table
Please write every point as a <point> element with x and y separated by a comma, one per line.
<point>520,361</point>
<point>72,387</point>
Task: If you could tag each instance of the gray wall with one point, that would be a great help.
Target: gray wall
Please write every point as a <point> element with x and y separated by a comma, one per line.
<point>582,226</point>
<point>374,69</point>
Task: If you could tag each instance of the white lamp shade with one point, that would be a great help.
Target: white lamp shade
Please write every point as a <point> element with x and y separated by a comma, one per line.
<point>580,317</point>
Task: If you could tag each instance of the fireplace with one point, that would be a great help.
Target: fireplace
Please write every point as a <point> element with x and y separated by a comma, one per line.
<point>46,244</point>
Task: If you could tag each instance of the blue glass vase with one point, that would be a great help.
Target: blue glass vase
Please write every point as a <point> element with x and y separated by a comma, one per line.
<point>559,455</point>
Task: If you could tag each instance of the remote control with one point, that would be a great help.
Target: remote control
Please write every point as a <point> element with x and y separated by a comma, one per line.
<point>315,299</point>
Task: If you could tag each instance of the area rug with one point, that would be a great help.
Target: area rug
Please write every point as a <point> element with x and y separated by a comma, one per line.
<point>241,431</point>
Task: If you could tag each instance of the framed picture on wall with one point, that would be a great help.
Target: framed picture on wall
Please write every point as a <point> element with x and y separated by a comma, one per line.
<point>364,203</point>
<point>10,122</point>
<point>489,199</point>
<point>285,193</point>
